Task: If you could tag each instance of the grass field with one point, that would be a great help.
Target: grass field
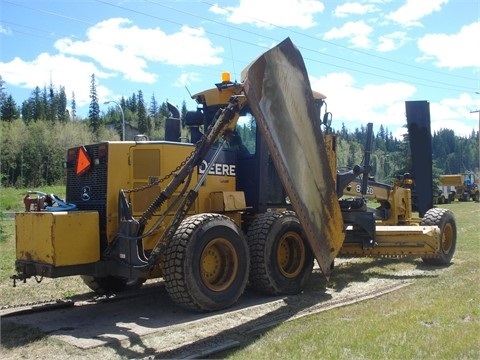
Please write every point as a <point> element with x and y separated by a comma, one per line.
<point>437,317</point>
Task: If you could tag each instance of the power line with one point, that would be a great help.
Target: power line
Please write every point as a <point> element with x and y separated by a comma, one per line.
<point>377,69</point>
<point>430,81</point>
<point>345,47</point>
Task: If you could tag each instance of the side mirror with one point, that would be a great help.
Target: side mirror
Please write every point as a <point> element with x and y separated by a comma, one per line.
<point>327,119</point>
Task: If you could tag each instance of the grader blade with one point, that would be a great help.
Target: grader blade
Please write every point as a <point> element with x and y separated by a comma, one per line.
<point>280,97</point>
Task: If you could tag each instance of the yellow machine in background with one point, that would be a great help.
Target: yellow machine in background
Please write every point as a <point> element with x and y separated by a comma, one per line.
<point>460,186</point>
<point>253,196</point>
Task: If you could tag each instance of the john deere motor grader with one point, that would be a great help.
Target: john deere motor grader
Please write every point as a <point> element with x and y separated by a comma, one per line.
<point>210,215</point>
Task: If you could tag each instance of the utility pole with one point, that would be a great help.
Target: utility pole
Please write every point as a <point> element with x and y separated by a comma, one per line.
<point>472,112</point>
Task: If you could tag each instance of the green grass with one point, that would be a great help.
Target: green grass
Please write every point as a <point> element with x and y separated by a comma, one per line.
<point>11,199</point>
<point>437,317</point>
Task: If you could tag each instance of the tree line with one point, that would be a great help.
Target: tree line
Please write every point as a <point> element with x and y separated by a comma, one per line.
<point>35,136</point>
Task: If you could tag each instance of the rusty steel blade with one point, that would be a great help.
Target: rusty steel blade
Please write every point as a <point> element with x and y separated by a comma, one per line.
<point>280,97</point>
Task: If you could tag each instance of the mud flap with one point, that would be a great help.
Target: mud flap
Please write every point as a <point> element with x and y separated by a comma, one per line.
<point>280,97</point>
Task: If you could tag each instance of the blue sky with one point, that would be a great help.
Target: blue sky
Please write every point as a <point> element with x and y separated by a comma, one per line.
<point>368,56</point>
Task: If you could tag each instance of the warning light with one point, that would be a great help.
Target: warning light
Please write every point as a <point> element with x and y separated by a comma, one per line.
<point>225,76</point>
<point>83,161</point>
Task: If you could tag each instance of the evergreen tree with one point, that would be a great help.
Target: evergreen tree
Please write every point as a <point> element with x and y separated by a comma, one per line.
<point>153,112</point>
<point>164,112</point>
<point>94,111</point>
<point>143,123</point>
<point>45,104</point>
<point>123,103</point>
<point>62,112</point>
<point>2,90</point>
<point>132,103</point>
<point>51,106</point>
<point>344,132</point>
<point>38,105</point>
<point>8,109</point>
<point>183,112</point>
<point>27,111</point>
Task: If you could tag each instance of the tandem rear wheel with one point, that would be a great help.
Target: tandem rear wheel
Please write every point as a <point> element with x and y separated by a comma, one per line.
<point>206,263</point>
<point>281,259</point>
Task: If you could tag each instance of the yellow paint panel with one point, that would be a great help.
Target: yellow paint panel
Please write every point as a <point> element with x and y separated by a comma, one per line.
<point>58,238</point>
<point>228,201</point>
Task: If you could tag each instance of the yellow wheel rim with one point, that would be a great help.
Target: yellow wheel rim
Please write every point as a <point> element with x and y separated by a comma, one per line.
<point>447,238</point>
<point>291,254</point>
<point>218,264</point>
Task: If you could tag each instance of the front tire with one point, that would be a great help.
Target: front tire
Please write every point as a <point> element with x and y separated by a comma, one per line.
<point>476,197</point>
<point>281,259</point>
<point>206,263</point>
<point>445,221</point>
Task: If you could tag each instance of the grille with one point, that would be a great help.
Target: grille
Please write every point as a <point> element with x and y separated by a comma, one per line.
<point>89,191</point>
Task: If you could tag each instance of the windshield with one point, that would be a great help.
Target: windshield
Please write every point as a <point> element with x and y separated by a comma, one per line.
<point>247,129</point>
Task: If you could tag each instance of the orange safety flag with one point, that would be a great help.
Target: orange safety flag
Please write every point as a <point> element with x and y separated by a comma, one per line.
<point>83,161</point>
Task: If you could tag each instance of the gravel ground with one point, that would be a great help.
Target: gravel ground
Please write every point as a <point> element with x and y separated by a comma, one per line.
<point>151,325</point>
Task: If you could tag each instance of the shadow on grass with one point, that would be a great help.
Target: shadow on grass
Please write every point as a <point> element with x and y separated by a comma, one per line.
<point>17,335</point>
<point>154,310</point>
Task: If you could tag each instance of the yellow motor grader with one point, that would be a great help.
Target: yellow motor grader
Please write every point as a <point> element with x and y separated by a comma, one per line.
<point>253,196</point>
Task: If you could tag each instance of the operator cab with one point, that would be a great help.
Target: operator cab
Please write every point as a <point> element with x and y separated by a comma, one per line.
<point>255,169</point>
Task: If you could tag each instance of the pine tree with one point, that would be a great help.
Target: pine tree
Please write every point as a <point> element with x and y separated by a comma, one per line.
<point>62,112</point>
<point>143,123</point>
<point>8,109</point>
<point>45,104</point>
<point>3,95</point>
<point>183,112</point>
<point>51,106</point>
<point>94,111</point>
<point>27,111</point>
<point>153,112</point>
<point>132,103</point>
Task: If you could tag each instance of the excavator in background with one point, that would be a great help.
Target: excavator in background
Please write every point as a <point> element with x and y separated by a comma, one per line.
<point>224,209</point>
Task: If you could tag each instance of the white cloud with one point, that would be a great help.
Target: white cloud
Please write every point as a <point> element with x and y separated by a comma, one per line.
<point>117,45</point>
<point>354,8</point>
<point>270,13</point>
<point>381,104</point>
<point>186,79</point>
<point>5,31</point>
<point>452,114</point>
<point>60,70</point>
<point>412,11</point>
<point>391,41</point>
<point>356,31</point>
<point>384,104</point>
<point>455,50</point>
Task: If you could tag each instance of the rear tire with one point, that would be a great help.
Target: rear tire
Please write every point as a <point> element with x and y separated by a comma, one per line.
<point>281,259</point>
<point>206,263</point>
<point>445,220</point>
<point>111,284</point>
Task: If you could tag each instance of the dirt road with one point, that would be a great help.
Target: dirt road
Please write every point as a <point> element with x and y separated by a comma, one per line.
<point>148,323</point>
